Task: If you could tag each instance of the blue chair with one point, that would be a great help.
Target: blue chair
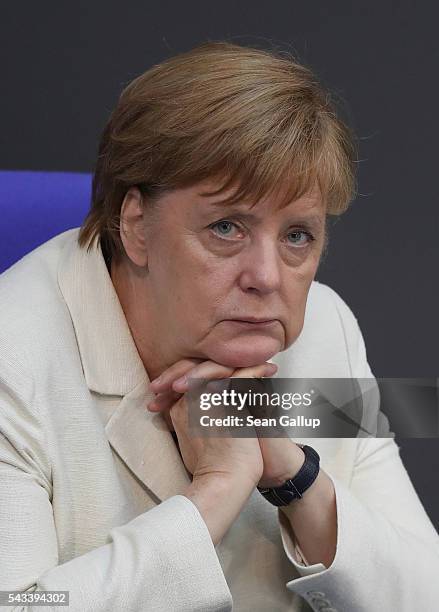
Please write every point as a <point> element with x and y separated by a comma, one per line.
<point>35,206</point>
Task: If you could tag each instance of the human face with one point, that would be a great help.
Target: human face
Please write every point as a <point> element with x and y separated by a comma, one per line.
<point>210,266</point>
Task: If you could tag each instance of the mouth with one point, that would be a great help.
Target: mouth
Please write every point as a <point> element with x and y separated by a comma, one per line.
<point>253,323</point>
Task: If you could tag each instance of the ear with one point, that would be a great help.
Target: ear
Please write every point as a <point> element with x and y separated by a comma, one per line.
<point>132,227</point>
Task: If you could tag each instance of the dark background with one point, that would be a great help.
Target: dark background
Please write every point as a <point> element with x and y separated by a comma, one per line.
<point>64,65</point>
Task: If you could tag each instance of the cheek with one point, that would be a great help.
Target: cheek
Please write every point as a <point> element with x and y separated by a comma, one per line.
<point>208,279</point>
<point>197,295</point>
<point>297,300</point>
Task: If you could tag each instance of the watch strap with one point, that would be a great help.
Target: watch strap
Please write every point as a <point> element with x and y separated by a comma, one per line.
<point>294,488</point>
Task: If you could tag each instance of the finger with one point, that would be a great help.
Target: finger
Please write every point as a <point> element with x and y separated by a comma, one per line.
<point>208,370</point>
<point>163,401</point>
<point>265,369</point>
<point>211,370</point>
<point>179,368</point>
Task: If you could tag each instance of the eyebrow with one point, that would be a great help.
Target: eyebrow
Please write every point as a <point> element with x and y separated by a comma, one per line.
<point>300,217</point>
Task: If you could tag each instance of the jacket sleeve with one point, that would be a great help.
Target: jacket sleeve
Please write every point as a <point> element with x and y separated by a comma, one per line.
<point>164,559</point>
<point>387,552</point>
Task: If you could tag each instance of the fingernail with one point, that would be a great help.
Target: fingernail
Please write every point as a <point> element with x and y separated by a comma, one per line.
<point>180,383</point>
<point>156,382</point>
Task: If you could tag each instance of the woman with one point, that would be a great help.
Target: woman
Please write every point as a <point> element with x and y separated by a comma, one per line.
<point>215,177</point>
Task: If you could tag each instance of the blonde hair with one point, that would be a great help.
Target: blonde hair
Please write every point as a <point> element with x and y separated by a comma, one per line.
<point>256,118</point>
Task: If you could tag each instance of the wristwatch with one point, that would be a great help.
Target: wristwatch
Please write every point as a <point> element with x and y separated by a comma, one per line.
<point>294,488</point>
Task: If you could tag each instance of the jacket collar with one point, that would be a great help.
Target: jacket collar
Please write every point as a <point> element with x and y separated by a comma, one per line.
<point>112,366</point>
<point>109,356</point>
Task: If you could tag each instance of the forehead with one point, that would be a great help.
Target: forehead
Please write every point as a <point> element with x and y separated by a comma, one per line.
<point>312,200</point>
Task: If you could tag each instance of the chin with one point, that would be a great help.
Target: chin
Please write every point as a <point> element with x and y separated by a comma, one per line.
<point>245,352</point>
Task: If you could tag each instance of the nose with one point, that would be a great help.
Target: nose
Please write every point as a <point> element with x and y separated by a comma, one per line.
<point>260,267</point>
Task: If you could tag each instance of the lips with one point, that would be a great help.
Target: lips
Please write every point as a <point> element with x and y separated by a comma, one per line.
<point>253,320</point>
<point>255,324</point>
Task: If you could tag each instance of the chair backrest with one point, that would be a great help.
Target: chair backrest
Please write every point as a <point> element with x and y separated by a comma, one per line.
<point>35,206</point>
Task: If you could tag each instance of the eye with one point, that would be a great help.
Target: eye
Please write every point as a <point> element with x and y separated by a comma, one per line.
<point>223,227</point>
<point>308,235</point>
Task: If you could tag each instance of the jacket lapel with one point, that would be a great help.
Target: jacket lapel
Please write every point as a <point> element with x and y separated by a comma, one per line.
<point>142,439</point>
<point>112,366</point>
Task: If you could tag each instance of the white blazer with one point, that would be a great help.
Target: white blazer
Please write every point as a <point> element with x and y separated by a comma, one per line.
<point>92,483</point>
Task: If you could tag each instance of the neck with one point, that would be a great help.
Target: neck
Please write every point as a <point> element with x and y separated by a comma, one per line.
<point>130,284</point>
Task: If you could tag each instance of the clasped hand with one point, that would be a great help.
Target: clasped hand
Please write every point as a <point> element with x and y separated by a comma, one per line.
<point>269,461</point>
